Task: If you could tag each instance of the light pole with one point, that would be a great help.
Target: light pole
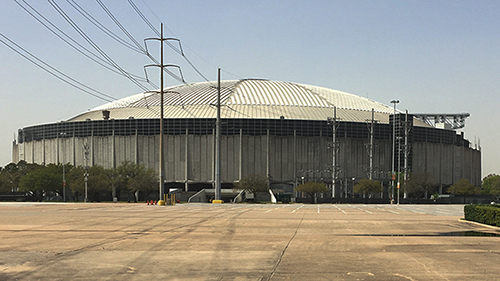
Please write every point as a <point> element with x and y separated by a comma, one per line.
<point>399,165</point>
<point>86,169</point>
<point>64,184</point>
<point>394,102</point>
<point>64,173</point>
<point>353,179</point>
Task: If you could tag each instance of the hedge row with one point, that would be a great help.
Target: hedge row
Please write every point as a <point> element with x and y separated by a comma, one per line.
<point>487,214</point>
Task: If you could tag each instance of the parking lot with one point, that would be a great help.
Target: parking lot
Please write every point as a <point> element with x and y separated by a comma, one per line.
<point>106,241</point>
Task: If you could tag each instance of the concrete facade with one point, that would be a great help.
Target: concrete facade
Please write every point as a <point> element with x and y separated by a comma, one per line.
<point>286,159</point>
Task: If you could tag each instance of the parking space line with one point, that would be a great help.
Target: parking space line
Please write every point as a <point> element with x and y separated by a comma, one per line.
<point>340,209</point>
<point>297,209</point>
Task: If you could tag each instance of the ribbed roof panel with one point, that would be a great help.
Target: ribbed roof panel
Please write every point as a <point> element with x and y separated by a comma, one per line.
<point>249,98</point>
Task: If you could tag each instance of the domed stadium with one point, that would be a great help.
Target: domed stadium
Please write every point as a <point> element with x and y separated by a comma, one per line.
<point>282,130</point>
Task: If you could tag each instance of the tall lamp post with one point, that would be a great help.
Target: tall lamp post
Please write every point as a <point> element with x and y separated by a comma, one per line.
<point>394,102</point>
<point>62,134</point>
<point>353,179</point>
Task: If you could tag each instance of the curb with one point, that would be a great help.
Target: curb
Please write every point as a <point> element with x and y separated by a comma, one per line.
<point>479,224</point>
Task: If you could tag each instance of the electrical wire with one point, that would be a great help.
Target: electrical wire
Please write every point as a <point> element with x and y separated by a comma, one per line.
<point>173,47</point>
<point>144,18</point>
<point>100,26</point>
<point>153,13</point>
<point>54,72</point>
<point>124,30</point>
<point>93,44</point>
<point>71,42</point>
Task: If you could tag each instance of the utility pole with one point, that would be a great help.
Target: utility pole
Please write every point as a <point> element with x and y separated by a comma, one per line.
<point>217,143</point>
<point>371,128</point>
<point>407,131</point>
<point>371,144</point>
<point>64,183</point>
<point>161,168</point>
<point>86,169</point>
<point>162,66</point>
<point>333,123</point>
<point>399,158</point>
<point>393,175</point>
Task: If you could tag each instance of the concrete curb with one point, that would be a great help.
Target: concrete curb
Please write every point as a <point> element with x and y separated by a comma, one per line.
<point>479,224</point>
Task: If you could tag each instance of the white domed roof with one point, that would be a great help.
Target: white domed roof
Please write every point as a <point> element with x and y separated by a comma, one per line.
<point>249,98</point>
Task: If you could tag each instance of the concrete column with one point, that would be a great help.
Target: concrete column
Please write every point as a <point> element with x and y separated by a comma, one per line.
<point>136,152</point>
<point>24,147</point>
<point>294,159</point>
<point>92,160</point>
<point>240,172</point>
<point>113,151</point>
<point>186,165</point>
<point>441,146</point>
<point>74,148</point>
<point>267,158</point>
<point>43,148</point>
<point>33,151</point>
<point>57,148</point>
<point>213,158</point>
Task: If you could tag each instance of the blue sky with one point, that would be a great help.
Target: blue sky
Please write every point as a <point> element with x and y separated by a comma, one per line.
<point>434,56</point>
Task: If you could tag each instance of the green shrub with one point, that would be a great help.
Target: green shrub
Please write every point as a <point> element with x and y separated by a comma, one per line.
<point>487,214</point>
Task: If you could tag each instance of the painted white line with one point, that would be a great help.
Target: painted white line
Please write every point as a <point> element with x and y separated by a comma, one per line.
<point>297,209</point>
<point>394,212</point>
<point>318,209</point>
<point>368,212</point>
<point>340,209</point>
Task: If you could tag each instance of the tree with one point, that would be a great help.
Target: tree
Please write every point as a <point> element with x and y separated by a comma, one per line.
<point>495,188</point>
<point>253,183</point>
<point>420,185</point>
<point>367,187</point>
<point>4,185</point>
<point>145,181</point>
<point>135,178</point>
<point>312,188</point>
<point>113,181</point>
<point>41,180</point>
<point>462,187</point>
<point>490,184</point>
<point>12,173</point>
<point>97,181</point>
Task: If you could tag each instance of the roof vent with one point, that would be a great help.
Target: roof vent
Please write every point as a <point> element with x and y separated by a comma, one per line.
<point>105,114</point>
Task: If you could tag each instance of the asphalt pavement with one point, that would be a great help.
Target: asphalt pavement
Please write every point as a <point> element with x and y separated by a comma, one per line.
<point>106,241</point>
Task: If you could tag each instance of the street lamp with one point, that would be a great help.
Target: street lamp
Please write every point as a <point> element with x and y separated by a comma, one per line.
<point>399,165</point>
<point>62,134</point>
<point>394,102</point>
<point>353,179</point>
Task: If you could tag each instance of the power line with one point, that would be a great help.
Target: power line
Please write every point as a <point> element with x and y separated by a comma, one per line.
<point>177,50</point>
<point>154,14</point>
<point>99,25</point>
<point>93,44</point>
<point>124,30</point>
<point>74,44</point>
<point>56,73</point>
<point>144,17</point>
